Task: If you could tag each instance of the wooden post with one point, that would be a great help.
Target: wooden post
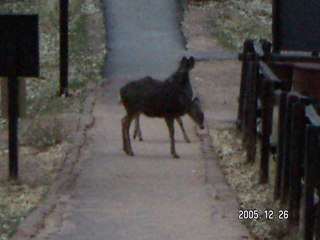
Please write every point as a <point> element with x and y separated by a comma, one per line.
<point>266,46</point>
<point>276,30</point>
<point>298,123</point>
<point>311,158</point>
<point>287,149</point>
<point>64,48</point>
<point>280,147</point>
<point>316,229</point>
<point>247,48</point>
<point>4,97</point>
<point>13,128</point>
<point>252,108</point>
<point>267,115</point>
<point>246,93</point>
<point>13,112</point>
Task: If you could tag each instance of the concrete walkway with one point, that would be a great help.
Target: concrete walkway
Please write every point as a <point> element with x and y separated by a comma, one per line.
<point>147,197</point>
<point>150,196</point>
<point>144,38</point>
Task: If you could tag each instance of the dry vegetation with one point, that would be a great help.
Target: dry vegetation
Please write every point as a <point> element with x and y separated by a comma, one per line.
<point>243,178</point>
<point>233,21</point>
<point>46,131</point>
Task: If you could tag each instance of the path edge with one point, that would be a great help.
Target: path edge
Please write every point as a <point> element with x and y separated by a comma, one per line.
<point>213,173</point>
<point>35,220</point>
<point>214,176</point>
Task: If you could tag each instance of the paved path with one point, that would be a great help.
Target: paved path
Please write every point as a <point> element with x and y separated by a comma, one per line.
<point>144,38</point>
<point>150,196</point>
<point>147,197</point>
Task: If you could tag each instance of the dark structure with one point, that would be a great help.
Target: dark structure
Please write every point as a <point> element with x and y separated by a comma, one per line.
<point>285,75</point>
<point>296,25</point>
<point>19,57</point>
<point>64,47</point>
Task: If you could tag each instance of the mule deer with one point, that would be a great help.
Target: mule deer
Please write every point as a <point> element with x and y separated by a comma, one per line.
<point>168,99</point>
<point>138,134</point>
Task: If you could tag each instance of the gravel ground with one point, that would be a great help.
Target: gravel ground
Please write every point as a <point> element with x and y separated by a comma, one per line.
<point>243,178</point>
<point>233,21</point>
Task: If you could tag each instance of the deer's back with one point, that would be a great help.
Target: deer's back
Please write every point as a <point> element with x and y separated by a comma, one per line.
<point>155,98</point>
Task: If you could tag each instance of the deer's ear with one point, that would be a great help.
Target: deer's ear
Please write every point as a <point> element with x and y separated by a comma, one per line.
<point>191,62</point>
<point>196,100</point>
<point>183,62</point>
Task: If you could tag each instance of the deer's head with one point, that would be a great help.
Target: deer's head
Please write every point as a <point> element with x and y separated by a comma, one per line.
<point>196,112</point>
<point>182,74</point>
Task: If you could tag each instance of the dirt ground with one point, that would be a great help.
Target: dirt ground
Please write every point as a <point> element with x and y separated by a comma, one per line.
<point>216,81</point>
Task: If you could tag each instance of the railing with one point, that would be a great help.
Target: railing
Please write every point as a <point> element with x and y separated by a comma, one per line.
<point>296,149</point>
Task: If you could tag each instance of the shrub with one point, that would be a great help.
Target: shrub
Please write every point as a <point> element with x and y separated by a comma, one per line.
<point>41,133</point>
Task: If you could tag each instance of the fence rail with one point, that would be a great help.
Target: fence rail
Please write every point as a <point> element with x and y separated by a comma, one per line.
<point>266,83</point>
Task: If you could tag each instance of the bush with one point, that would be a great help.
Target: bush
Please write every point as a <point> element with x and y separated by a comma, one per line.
<point>42,133</point>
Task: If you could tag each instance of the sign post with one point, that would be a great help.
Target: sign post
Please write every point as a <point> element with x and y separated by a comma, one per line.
<point>64,48</point>
<point>19,57</point>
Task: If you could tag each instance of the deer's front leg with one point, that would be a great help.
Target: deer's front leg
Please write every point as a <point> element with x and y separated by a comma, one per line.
<point>179,120</point>
<point>170,124</point>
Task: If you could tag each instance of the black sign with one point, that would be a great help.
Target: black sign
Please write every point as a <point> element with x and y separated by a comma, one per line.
<point>296,25</point>
<point>19,38</point>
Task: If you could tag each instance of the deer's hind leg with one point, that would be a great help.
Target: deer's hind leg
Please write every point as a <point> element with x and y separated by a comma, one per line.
<point>170,124</point>
<point>186,138</point>
<point>126,122</point>
<point>137,130</point>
